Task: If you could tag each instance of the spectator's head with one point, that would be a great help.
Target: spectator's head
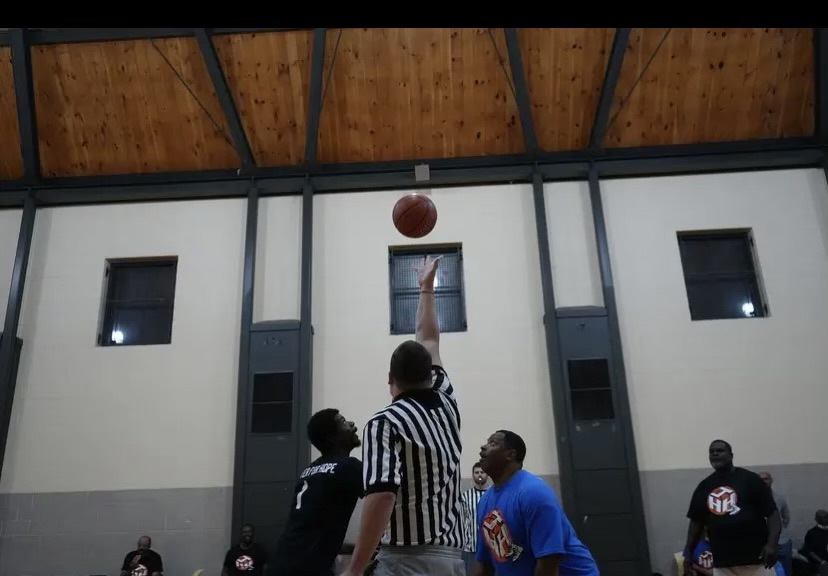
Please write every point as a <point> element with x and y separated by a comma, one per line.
<point>247,534</point>
<point>821,519</point>
<point>721,455</point>
<point>766,478</point>
<point>479,475</point>
<point>144,543</point>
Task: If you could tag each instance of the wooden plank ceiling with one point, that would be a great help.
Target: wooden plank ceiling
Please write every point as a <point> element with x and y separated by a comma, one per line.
<point>393,94</point>
<point>11,161</point>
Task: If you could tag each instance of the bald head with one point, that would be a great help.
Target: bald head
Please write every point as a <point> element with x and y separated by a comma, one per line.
<point>144,543</point>
<point>766,478</point>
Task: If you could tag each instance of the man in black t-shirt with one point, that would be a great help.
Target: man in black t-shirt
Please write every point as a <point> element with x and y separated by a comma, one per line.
<point>324,500</point>
<point>815,547</point>
<point>738,510</point>
<point>142,561</point>
<point>247,558</point>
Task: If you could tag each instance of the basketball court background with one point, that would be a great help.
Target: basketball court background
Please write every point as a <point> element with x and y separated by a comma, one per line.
<point>196,235</point>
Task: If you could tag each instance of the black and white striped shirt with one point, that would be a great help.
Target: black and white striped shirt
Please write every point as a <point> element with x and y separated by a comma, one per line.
<point>469,501</point>
<point>412,448</point>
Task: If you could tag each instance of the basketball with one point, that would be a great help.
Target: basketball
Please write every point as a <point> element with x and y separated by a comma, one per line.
<point>415,215</point>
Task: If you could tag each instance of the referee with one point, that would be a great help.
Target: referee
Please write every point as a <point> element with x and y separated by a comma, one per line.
<point>411,461</point>
<point>468,502</point>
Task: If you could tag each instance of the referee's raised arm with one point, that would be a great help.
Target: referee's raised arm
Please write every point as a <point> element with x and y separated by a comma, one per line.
<point>427,327</point>
<point>411,459</point>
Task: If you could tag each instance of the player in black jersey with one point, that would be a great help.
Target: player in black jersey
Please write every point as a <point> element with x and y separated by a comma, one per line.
<point>323,501</point>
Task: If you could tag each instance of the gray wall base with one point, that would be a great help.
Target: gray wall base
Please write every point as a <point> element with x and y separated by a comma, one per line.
<point>82,533</point>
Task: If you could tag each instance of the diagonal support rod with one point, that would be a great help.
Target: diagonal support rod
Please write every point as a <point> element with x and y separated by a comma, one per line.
<point>24,92</point>
<point>521,91</point>
<point>12,320</point>
<point>242,392</point>
<point>557,377</point>
<point>613,72</point>
<point>315,96</point>
<point>622,398</point>
<point>228,107</point>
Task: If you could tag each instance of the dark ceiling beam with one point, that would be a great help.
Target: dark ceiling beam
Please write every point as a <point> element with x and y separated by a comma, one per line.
<point>225,98</point>
<point>331,178</point>
<point>315,97</point>
<point>80,35</point>
<point>821,84</point>
<point>524,102</point>
<point>613,72</point>
<point>24,93</point>
<point>9,340</point>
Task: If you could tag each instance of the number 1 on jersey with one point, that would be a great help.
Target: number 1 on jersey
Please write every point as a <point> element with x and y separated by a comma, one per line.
<point>299,495</point>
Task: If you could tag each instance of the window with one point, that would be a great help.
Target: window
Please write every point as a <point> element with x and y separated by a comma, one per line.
<point>720,275</point>
<point>138,302</point>
<point>590,389</point>
<point>272,403</point>
<point>448,287</point>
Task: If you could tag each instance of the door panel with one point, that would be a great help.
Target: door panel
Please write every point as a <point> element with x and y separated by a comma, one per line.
<point>271,429</point>
<point>604,516</point>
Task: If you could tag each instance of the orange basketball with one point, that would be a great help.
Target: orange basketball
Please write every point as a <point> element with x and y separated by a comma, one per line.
<point>414,215</point>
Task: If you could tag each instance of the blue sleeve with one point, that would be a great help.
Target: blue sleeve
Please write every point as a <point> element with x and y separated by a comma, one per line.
<point>544,520</point>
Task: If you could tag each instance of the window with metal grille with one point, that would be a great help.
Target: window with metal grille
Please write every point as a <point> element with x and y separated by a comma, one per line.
<point>138,302</point>
<point>448,287</point>
<point>720,275</point>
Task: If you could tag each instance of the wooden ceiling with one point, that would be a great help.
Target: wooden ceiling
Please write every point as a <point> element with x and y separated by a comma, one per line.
<point>141,106</point>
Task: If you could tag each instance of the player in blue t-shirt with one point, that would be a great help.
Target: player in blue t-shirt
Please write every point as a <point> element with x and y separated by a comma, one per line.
<point>523,530</point>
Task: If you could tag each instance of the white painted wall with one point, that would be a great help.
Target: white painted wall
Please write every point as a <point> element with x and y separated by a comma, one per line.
<point>9,230</point>
<point>498,366</point>
<point>278,259</point>
<point>759,383</point>
<point>576,275</point>
<point>91,418</point>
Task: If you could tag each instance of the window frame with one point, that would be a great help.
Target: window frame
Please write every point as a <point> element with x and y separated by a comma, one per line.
<point>423,250</point>
<point>105,322</point>
<point>752,276</point>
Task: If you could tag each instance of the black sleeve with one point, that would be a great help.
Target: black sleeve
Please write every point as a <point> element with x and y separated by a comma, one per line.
<point>127,560</point>
<point>697,512</point>
<point>809,544</point>
<point>159,565</point>
<point>263,557</point>
<point>813,544</point>
<point>353,478</point>
<point>228,560</point>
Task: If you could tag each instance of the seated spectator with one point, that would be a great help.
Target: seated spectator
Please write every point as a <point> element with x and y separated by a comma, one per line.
<point>246,558</point>
<point>143,561</point>
<point>815,548</point>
